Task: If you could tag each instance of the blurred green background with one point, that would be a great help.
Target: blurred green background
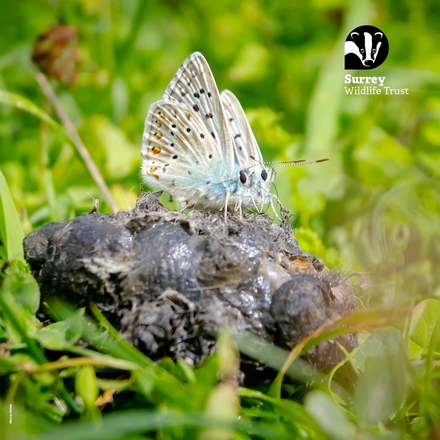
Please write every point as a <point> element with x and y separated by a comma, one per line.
<point>373,208</point>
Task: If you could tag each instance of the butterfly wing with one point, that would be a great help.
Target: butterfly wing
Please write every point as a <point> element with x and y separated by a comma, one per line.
<point>245,144</point>
<point>194,87</point>
<point>186,145</point>
<point>177,144</point>
<point>247,153</point>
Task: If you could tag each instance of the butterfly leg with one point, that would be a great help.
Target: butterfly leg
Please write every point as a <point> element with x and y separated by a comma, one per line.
<point>239,208</point>
<point>273,207</point>
<point>255,205</point>
<point>226,205</point>
<point>183,206</point>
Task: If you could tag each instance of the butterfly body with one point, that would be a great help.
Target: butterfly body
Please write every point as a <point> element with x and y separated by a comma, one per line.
<point>198,146</point>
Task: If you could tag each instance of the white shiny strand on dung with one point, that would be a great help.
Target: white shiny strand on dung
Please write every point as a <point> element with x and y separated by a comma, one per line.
<point>198,146</point>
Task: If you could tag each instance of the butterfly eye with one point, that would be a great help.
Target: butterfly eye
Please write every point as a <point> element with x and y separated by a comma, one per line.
<point>243,177</point>
<point>264,175</point>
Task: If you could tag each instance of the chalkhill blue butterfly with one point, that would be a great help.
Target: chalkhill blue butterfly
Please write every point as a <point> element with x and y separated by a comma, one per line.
<point>198,145</point>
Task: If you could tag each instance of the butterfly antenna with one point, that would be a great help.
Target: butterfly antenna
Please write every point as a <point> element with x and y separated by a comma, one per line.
<point>288,163</point>
<point>282,164</point>
<point>257,163</point>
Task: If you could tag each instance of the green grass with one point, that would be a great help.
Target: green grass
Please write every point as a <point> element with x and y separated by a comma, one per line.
<point>373,209</point>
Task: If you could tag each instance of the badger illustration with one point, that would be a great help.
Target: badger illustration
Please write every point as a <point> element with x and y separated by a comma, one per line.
<point>362,49</point>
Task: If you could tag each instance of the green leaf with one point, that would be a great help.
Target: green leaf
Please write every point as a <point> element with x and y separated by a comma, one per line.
<point>25,290</point>
<point>289,410</point>
<point>11,234</point>
<point>309,241</point>
<point>19,301</point>
<point>24,104</point>
<point>7,366</point>
<point>376,343</point>
<point>222,405</point>
<point>382,389</point>
<point>186,371</point>
<point>40,399</point>
<point>2,329</point>
<point>111,147</point>
<point>63,334</point>
<point>426,332</point>
<point>128,423</point>
<point>118,385</point>
<point>86,386</point>
<point>330,416</point>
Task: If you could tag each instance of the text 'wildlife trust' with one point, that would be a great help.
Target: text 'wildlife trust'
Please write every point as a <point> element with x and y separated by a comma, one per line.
<point>370,85</point>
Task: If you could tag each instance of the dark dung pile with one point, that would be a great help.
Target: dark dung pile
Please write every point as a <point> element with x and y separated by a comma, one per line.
<point>168,281</point>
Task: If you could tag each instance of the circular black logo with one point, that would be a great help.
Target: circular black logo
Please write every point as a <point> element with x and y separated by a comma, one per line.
<point>366,47</point>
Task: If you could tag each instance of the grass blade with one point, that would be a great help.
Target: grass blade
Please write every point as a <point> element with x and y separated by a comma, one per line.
<point>24,104</point>
<point>11,234</point>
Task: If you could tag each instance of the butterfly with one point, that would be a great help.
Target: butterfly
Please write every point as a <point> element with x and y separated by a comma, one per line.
<point>198,145</point>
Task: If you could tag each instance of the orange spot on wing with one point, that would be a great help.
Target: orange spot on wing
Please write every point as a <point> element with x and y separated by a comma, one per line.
<point>156,150</point>
<point>151,171</point>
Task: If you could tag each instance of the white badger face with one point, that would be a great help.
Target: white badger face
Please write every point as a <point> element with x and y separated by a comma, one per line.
<point>371,52</point>
<point>365,48</point>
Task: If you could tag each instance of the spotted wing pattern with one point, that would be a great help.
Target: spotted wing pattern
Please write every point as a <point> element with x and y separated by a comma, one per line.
<point>198,145</point>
